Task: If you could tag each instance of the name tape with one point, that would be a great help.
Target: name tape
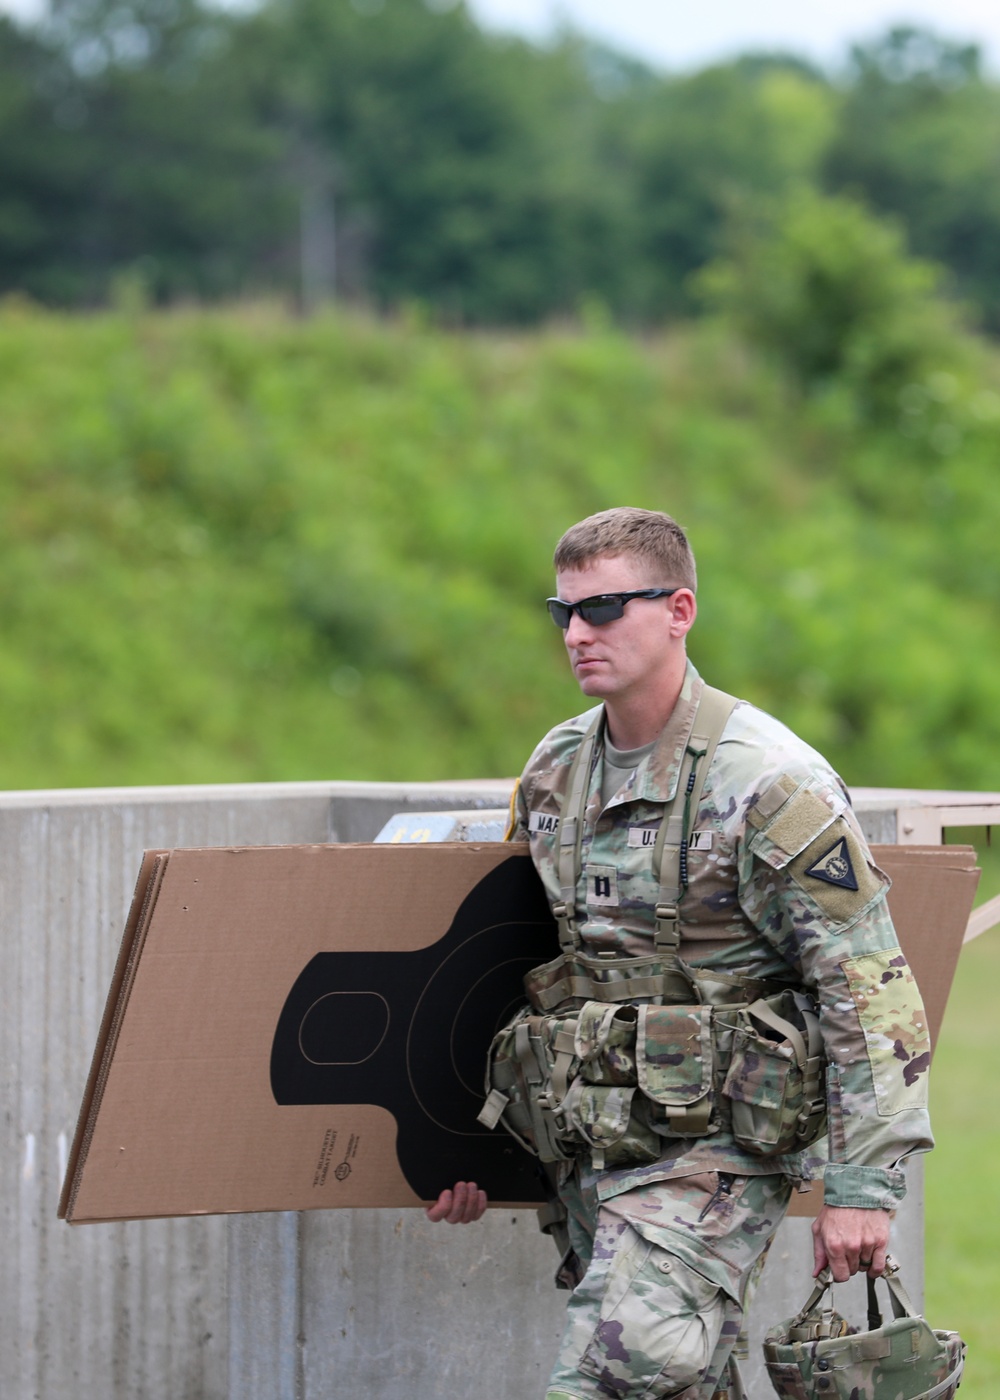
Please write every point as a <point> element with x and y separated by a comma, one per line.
<point>646,836</point>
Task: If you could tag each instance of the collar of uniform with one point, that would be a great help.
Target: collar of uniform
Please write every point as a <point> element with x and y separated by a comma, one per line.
<point>657,776</point>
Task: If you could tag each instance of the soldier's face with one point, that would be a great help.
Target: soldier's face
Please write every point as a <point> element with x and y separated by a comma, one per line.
<point>634,651</point>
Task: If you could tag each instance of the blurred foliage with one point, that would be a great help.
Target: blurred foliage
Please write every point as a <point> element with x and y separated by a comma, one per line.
<point>700,148</point>
<point>200,150</point>
<point>919,138</point>
<point>237,546</point>
<point>829,292</point>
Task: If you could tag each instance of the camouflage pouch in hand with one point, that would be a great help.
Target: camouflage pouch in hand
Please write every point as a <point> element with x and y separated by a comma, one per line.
<point>818,1355</point>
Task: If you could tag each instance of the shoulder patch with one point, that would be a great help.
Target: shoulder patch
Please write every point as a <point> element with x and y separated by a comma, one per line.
<point>835,867</point>
<point>834,872</point>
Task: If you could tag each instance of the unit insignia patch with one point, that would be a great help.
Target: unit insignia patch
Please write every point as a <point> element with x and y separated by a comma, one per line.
<point>835,867</point>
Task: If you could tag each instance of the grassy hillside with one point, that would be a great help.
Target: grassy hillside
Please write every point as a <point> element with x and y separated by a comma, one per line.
<point>235,546</point>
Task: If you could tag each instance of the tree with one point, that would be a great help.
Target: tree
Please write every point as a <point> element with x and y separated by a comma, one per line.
<point>832,295</point>
<point>127,146</point>
<point>472,163</point>
<point>919,138</point>
<point>41,192</point>
<point>704,145</point>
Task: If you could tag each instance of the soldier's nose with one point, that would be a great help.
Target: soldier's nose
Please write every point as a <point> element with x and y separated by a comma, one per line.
<point>578,630</point>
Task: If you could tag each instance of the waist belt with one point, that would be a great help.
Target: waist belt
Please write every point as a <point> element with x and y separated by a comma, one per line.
<point>574,978</point>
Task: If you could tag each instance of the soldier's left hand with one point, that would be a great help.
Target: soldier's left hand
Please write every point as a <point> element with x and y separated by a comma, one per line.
<point>850,1241</point>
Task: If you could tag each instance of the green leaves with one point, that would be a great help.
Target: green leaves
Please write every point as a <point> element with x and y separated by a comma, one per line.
<point>236,546</point>
<point>396,154</point>
<point>832,295</point>
<point>919,139</point>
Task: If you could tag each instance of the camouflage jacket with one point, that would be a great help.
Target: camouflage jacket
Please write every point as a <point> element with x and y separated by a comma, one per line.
<point>781,886</point>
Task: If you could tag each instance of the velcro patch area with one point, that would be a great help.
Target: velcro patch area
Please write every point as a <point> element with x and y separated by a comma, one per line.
<point>801,819</point>
<point>788,818</point>
<point>834,871</point>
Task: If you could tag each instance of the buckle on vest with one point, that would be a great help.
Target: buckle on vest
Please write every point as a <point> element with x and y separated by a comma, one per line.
<point>668,928</point>
<point>810,1115</point>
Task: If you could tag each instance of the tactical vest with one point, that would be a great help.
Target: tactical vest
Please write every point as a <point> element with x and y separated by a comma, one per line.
<point>613,1054</point>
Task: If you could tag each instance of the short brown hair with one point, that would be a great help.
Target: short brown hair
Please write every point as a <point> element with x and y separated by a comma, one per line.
<point>649,535</point>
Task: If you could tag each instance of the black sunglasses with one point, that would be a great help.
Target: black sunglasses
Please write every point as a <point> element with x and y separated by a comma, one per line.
<point>602,608</point>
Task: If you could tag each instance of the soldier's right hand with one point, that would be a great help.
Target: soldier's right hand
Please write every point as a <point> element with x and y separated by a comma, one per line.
<point>459,1206</point>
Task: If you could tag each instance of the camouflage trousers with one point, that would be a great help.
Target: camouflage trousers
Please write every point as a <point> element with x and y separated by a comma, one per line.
<point>670,1271</point>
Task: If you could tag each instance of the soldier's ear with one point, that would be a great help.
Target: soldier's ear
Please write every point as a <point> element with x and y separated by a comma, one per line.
<point>683,611</point>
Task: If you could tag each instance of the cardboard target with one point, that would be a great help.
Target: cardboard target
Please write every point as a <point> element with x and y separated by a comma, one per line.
<point>410,1032</point>
<point>293,1028</point>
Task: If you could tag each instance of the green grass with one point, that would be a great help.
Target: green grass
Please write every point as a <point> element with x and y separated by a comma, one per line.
<point>963,1171</point>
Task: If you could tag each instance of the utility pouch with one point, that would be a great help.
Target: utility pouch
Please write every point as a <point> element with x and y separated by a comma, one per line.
<point>561,1085</point>
<point>605,1043</point>
<point>605,1118</point>
<point>528,1070</point>
<point>775,1081</point>
<point>674,1059</point>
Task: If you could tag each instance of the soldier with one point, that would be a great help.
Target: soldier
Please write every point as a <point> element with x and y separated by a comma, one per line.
<point>720,915</point>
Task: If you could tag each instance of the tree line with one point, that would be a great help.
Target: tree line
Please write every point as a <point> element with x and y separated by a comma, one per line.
<point>392,152</point>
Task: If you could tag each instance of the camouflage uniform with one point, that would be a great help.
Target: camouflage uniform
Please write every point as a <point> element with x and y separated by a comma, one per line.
<point>780,887</point>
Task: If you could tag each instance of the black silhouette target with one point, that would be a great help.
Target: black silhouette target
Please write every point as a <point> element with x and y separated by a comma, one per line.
<point>410,1032</point>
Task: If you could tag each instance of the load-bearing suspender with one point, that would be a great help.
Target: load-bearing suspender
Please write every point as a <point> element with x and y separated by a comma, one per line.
<point>671,847</point>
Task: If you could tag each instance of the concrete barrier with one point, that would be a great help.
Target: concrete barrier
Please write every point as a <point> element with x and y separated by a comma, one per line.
<point>343,1303</point>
